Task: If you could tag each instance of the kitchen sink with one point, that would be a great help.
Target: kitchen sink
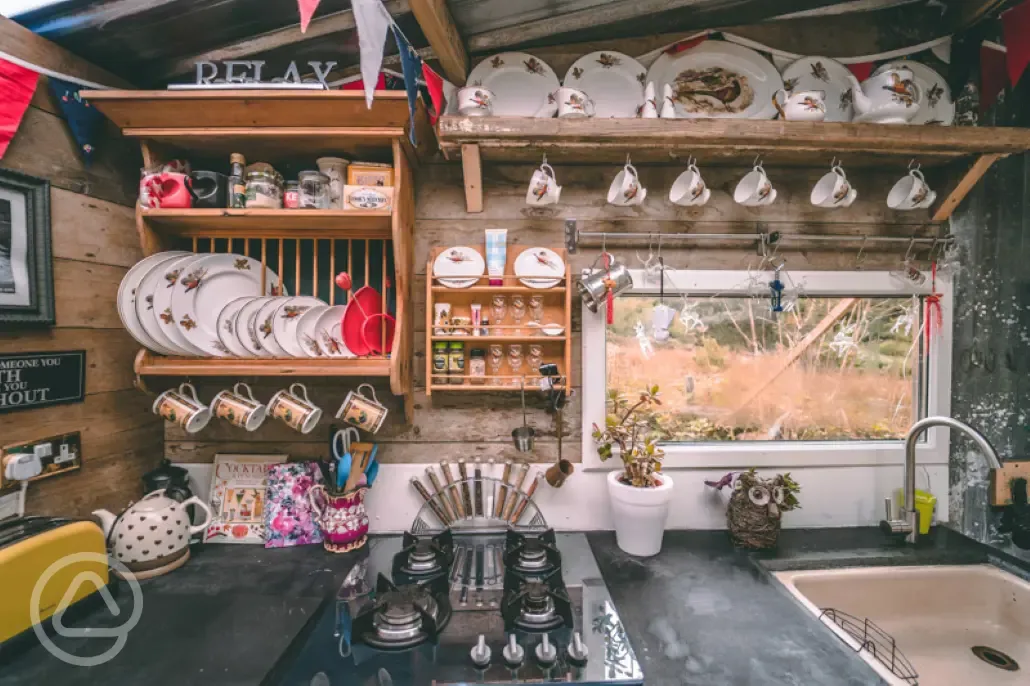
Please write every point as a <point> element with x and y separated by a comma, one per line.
<point>934,625</point>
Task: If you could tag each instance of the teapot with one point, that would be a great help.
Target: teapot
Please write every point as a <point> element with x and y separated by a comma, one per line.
<point>889,97</point>
<point>153,535</point>
<point>800,106</point>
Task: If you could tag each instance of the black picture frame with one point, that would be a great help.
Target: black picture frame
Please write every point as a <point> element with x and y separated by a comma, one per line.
<point>35,230</point>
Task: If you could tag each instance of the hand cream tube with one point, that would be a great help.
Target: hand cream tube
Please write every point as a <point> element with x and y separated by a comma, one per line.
<point>496,255</point>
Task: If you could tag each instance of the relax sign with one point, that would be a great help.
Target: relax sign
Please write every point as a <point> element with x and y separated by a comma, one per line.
<point>32,380</point>
<point>252,71</point>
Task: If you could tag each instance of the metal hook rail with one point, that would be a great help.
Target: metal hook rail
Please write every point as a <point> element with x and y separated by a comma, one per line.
<point>761,239</point>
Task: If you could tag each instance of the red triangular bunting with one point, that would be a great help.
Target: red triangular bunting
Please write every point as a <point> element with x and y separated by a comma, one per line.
<point>993,76</point>
<point>307,10</point>
<point>1015,24</point>
<point>861,70</point>
<point>686,44</point>
<point>17,85</point>
<point>434,84</point>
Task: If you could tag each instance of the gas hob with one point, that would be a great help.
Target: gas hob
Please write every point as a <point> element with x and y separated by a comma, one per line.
<point>528,606</point>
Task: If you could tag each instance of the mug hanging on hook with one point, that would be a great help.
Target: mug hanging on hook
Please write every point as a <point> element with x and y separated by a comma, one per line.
<point>908,271</point>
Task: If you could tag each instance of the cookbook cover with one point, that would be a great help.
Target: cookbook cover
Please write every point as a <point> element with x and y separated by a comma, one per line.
<point>238,491</point>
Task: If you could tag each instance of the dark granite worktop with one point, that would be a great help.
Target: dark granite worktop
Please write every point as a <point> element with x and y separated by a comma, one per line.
<point>697,613</point>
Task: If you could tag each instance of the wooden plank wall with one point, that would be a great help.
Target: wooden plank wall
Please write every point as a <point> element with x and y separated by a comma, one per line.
<point>478,426</point>
<point>94,243</point>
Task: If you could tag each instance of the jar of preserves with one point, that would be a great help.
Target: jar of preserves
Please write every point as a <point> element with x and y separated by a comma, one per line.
<point>456,362</point>
<point>314,190</point>
<point>440,362</point>
<point>477,366</point>
<point>264,187</point>
<point>291,196</point>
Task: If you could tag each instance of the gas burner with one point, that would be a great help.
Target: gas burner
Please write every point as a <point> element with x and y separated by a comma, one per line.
<point>422,557</point>
<point>531,555</point>
<point>403,617</point>
<point>535,603</point>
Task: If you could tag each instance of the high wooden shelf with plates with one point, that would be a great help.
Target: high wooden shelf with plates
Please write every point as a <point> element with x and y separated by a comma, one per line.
<point>965,152</point>
<point>556,311</point>
<point>279,126</point>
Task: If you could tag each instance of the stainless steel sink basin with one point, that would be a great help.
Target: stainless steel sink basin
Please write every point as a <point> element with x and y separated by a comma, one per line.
<point>955,625</point>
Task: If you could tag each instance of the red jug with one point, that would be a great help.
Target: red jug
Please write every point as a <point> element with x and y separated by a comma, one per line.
<point>167,190</point>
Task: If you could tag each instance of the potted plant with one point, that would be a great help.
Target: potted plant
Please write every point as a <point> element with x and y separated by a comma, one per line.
<point>640,493</point>
<point>756,507</point>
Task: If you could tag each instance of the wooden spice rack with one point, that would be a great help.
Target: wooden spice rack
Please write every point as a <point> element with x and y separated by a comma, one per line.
<point>274,125</point>
<point>557,309</point>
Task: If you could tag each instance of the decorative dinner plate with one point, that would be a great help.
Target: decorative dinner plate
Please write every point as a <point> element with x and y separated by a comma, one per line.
<point>227,326</point>
<point>307,335</point>
<point>458,261</point>
<point>822,74</point>
<point>717,79</point>
<point>615,82</point>
<point>328,329</point>
<point>539,262</point>
<point>127,300</point>
<point>246,327</point>
<point>165,315</point>
<point>521,83</point>
<point>262,327</point>
<point>204,288</point>
<point>935,103</point>
<point>284,323</point>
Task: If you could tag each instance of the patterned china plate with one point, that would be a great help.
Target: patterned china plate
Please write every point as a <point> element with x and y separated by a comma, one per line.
<point>246,329</point>
<point>227,326</point>
<point>822,74</point>
<point>204,288</point>
<point>935,103</point>
<point>307,336</point>
<point>717,79</point>
<point>329,330</point>
<point>127,290</point>
<point>522,84</point>
<point>165,317</point>
<point>285,321</point>
<point>539,262</point>
<point>458,261</point>
<point>263,327</point>
<point>615,82</point>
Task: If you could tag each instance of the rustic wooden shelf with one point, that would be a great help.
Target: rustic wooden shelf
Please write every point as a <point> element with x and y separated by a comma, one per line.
<point>261,223</point>
<point>502,339</point>
<point>149,364</point>
<point>530,387</point>
<point>499,290</point>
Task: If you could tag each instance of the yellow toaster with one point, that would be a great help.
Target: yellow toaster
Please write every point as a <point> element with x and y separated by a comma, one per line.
<point>31,547</point>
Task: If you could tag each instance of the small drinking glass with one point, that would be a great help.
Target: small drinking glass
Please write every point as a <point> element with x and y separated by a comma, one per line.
<point>535,358</point>
<point>515,362</point>
<point>498,308</point>
<point>518,311</point>
<point>495,360</point>
<point>536,309</point>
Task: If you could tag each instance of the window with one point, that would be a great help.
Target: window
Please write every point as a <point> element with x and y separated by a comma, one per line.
<point>836,378</point>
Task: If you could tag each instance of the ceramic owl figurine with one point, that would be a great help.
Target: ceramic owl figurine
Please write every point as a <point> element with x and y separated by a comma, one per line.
<point>756,506</point>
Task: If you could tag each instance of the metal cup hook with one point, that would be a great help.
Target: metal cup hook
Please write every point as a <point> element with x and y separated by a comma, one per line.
<point>911,245</point>
<point>859,258</point>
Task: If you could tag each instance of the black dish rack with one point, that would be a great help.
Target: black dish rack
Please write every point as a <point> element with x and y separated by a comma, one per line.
<point>876,641</point>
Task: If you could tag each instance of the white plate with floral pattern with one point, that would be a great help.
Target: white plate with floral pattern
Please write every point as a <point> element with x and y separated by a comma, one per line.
<point>246,329</point>
<point>206,286</point>
<point>521,84</point>
<point>615,82</point>
<point>227,326</point>
<point>127,291</point>
<point>262,327</point>
<point>458,261</point>
<point>284,323</point>
<point>328,328</point>
<point>935,103</point>
<point>826,75</point>
<point>159,287</point>
<point>539,262</point>
<point>307,334</point>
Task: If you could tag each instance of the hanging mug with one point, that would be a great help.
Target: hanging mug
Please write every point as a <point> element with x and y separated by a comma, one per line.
<point>295,408</point>
<point>593,287</point>
<point>239,408</point>
<point>361,411</point>
<point>182,406</point>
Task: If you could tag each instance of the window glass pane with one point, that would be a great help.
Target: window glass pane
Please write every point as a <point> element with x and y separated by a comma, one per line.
<point>832,368</point>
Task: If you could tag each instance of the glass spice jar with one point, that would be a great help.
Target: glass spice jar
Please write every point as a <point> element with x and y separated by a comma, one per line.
<point>477,366</point>
<point>456,362</point>
<point>440,362</point>
<point>264,187</point>
<point>314,190</point>
<point>291,196</point>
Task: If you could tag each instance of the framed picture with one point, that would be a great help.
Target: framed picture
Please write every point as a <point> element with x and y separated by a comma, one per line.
<point>26,274</point>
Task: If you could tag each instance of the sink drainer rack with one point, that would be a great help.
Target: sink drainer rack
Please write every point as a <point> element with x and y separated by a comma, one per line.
<point>874,640</point>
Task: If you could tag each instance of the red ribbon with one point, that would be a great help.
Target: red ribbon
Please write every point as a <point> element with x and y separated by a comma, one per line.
<point>933,306</point>
<point>609,296</point>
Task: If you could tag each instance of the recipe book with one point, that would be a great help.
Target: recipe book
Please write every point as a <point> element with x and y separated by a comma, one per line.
<point>238,492</point>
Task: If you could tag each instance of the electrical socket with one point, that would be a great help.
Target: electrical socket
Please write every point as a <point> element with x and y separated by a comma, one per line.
<point>9,505</point>
<point>58,454</point>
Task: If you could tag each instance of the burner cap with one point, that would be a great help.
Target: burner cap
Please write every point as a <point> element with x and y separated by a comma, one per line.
<point>422,559</point>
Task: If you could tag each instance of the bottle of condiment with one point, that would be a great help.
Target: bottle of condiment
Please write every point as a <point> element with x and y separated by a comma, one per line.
<point>237,183</point>
<point>291,196</point>
<point>456,362</point>
<point>440,362</point>
<point>477,366</point>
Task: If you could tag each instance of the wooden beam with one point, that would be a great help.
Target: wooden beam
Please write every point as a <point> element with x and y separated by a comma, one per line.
<point>438,26</point>
<point>18,41</point>
<point>472,167</point>
<point>947,206</point>
<point>265,42</point>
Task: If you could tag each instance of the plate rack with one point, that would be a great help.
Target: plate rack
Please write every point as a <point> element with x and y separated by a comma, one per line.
<point>557,302</point>
<point>306,248</point>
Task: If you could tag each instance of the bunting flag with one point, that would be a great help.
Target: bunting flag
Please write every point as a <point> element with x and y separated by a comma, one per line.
<point>84,120</point>
<point>861,70</point>
<point>372,22</point>
<point>411,64</point>
<point>434,84</point>
<point>993,74</point>
<point>1015,24</point>
<point>307,10</point>
<point>17,86</point>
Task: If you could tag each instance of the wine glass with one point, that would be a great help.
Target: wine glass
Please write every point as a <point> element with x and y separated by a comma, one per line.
<point>495,360</point>
<point>535,357</point>
<point>536,309</point>
<point>515,362</point>
<point>518,311</point>
<point>498,308</point>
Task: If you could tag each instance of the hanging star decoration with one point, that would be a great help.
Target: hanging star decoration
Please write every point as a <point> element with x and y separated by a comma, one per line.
<point>691,319</point>
<point>646,349</point>
<point>844,341</point>
<point>903,324</point>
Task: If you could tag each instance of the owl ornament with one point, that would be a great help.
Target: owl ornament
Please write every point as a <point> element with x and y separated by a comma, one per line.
<point>756,507</point>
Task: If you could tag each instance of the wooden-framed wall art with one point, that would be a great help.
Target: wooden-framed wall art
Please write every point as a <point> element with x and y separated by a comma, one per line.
<point>26,272</point>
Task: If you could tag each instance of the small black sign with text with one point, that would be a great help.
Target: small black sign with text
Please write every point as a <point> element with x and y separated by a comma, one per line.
<point>32,380</point>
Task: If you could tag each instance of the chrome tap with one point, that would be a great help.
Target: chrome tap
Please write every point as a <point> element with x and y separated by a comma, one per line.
<point>908,523</point>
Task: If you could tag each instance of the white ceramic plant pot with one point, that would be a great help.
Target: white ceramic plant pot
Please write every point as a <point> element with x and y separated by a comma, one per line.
<point>639,514</point>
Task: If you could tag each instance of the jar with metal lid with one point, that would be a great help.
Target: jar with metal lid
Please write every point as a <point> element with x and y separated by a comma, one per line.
<point>456,362</point>
<point>264,187</point>
<point>440,362</point>
<point>291,195</point>
<point>477,366</point>
<point>314,190</point>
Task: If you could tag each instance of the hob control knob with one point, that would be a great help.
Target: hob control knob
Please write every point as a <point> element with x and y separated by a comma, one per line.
<point>577,650</point>
<point>513,653</point>
<point>481,652</point>
<point>545,652</point>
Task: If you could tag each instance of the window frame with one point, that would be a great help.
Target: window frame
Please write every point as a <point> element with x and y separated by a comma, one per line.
<point>745,454</point>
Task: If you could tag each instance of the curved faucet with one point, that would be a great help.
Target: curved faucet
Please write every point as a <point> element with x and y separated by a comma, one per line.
<point>909,526</point>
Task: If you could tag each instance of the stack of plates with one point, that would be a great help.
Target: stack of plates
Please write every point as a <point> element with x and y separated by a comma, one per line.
<point>186,304</point>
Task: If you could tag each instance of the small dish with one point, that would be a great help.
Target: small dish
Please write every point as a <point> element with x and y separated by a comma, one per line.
<point>550,329</point>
